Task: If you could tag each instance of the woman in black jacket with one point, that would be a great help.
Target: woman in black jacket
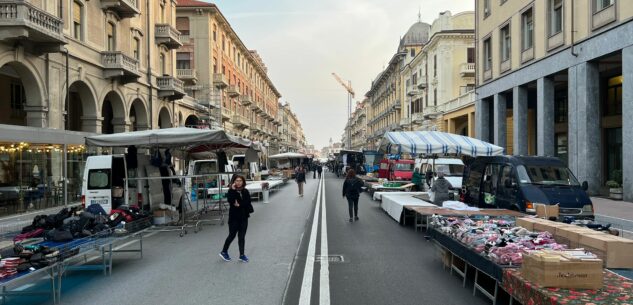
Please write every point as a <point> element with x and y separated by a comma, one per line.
<point>352,187</point>
<point>239,200</point>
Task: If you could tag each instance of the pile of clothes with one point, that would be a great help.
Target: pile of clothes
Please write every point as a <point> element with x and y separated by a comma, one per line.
<point>496,238</point>
<point>72,223</point>
<point>9,267</point>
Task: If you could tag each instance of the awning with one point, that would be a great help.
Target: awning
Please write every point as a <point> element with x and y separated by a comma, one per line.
<point>288,155</point>
<point>191,139</point>
<point>435,142</point>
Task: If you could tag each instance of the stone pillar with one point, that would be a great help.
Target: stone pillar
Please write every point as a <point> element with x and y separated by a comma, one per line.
<point>36,116</point>
<point>120,125</point>
<point>545,117</point>
<point>584,124</point>
<point>627,123</point>
<point>482,125</point>
<point>91,124</point>
<point>450,125</point>
<point>471,124</point>
<point>499,113</point>
<point>520,126</point>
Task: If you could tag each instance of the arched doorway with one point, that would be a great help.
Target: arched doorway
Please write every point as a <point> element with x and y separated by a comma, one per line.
<point>138,116</point>
<point>192,121</point>
<point>164,119</point>
<point>81,104</point>
<point>18,88</point>
<point>113,113</point>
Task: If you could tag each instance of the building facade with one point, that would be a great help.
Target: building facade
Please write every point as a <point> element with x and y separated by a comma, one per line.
<point>357,128</point>
<point>85,67</point>
<point>552,80</point>
<point>292,138</point>
<point>225,76</point>
<point>385,97</point>
<point>438,82</point>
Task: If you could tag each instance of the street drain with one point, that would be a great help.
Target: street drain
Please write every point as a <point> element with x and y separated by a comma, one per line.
<point>329,258</point>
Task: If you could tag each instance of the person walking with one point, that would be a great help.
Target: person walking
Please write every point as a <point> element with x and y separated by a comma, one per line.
<point>417,180</point>
<point>314,171</point>
<point>319,170</point>
<point>300,177</point>
<point>239,200</point>
<point>440,188</point>
<point>352,187</point>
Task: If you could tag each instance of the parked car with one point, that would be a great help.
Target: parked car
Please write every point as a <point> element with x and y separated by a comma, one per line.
<point>519,183</point>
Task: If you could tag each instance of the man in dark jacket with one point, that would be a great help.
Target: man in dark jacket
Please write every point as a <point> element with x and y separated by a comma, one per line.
<point>352,187</point>
<point>440,187</point>
<point>319,170</point>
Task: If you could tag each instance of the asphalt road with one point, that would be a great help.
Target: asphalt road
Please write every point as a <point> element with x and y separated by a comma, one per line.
<point>382,262</point>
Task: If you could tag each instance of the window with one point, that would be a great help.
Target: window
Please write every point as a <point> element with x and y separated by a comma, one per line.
<point>215,29</point>
<point>614,96</point>
<point>99,179</point>
<point>18,98</point>
<point>162,12</point>
<point>111,40</point>
<point>77,20</point>
<point>527,22</point>
<point>215,65</point>
<point>546,175</point>
<point>435,65</point>
<point>182,25</point>
<point>487,55</point>
<point>470,55</point>
<point>223,43</point>
<point>161,64</point>
<point>602,4</point>
<point>412,52</point>
<point>505,43</point>
<point>486,8</point>
<point>183,60</point>
<point>555,17</point>
<point>136,47</point>
<point>435,97</point>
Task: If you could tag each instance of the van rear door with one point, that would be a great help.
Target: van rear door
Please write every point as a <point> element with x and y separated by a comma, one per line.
<point>98,181</point>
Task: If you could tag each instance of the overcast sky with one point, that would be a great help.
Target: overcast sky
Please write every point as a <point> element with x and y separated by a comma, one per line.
<point>303,41</point>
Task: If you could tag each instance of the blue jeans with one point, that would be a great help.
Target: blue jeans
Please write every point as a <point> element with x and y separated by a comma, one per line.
<point>352,203</point>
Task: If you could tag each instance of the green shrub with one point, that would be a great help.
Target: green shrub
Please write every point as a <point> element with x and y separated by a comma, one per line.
<point>612,184</point>
<point>616,176</point>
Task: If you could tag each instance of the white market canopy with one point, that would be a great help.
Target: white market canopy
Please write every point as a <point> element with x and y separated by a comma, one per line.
<point>288,155</point>
<point>193,139</point>
<point>435,142</point>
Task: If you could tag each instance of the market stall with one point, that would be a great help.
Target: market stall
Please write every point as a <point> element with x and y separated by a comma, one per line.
<point>288,160</point>
<point>393,204</point>
<point>436,143</point>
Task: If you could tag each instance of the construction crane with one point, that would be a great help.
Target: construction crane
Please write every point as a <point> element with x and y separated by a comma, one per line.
<point>350,97</point>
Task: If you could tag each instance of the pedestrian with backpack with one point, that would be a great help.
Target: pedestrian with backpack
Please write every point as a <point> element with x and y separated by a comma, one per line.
<point>352,187</point>
<point>239,200</point>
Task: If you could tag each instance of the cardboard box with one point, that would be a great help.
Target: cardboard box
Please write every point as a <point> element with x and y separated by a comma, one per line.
<point>556,269</point>
<point>570,235</point>
<point>546,211</point>
<point>162,217</point>
<point>547,226</point>
<point>616,252</point>
<point>528,222</point>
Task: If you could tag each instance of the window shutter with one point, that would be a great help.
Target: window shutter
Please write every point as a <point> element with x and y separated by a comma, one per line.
<point>77,12</point>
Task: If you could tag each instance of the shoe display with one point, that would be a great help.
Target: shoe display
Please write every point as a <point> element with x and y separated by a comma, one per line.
<point>225,256</point>
<point>243,259</point>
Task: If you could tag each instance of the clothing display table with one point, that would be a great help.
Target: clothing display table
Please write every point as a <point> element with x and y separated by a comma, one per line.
<point>394,204</point>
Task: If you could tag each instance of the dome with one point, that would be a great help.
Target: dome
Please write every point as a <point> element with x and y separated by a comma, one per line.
<point>416,35</point>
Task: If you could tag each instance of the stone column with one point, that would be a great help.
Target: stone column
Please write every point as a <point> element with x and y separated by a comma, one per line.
<point>482,125</point>
<point>91,124</point>
<point>36,116</point>
<point>545,117</point>
<point>627,123</point>
<point>584,124</point>
<point>471,124</point>
<point>499,113</point>
<point>120,125</point>
<point>520,114</point>
<point>450,125</point>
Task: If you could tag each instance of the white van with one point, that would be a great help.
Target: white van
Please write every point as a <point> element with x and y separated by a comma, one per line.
<point>105,182</point>
<point>452,169</point>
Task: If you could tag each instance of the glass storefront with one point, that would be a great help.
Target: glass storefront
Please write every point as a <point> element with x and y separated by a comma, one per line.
<point>31,175</point>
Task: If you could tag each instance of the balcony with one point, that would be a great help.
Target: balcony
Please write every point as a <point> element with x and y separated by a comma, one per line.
<point>119,65</point>
<point>239,121</point>
<point>467,70</point>
<point>220,81</point>
<point>208,102</point>
<point>246,100</point>
<point>422,84</point>
<point>255,107</point>
<point>20,20</point>
<point>170,87</point>
<point>226,114</point>
<point>187,75</point>
<point>123,8</point>
<point>417,117</point>
<point>412,92</point>
<point>232,91</point>
<point>463,101</point>
<point>167,36</point>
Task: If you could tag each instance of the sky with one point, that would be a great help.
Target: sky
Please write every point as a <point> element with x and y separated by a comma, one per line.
<point>302,42</point>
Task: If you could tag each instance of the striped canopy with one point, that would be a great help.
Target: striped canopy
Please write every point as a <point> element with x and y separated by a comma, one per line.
<point>435,142</point>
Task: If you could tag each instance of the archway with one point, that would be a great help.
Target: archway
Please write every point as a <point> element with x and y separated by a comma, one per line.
<point>81,105</point>
<point>113,113</point>
<point>164,119</point>
<point>192,121</point>
<point>138,116</point>
<point>19,88</point>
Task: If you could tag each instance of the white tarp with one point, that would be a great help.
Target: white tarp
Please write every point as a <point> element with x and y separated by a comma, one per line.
<point>194,139</point>
<point>435,142</point>
<point>288,155</point>
<point>394,203</point>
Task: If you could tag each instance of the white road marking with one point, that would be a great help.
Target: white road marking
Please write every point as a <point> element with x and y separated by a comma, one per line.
<point>324,292</point>
<point>306,285</point>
